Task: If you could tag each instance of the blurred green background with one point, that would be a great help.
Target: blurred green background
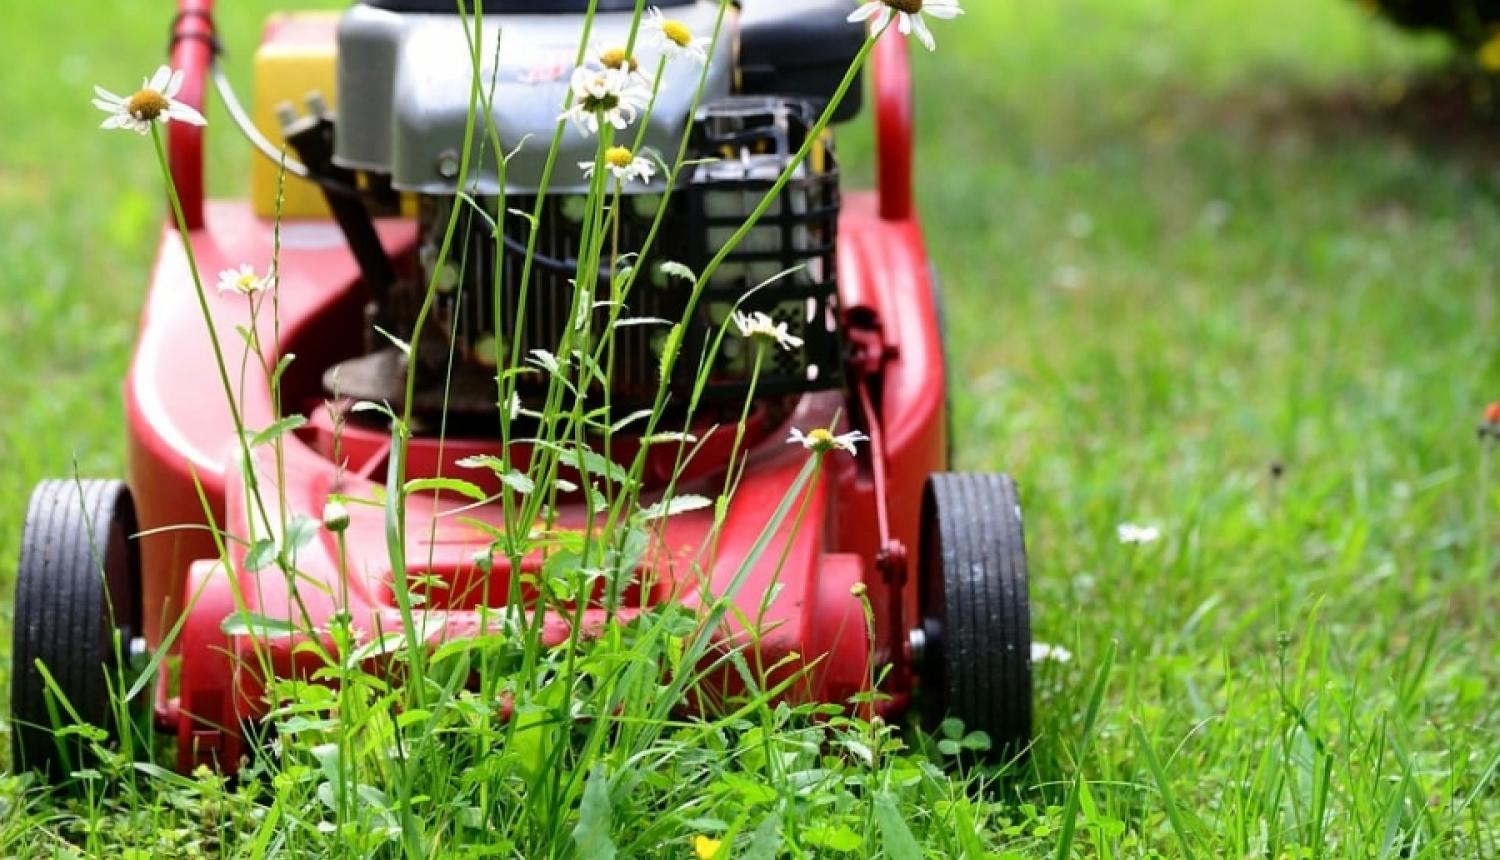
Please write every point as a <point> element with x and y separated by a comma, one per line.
<point>1222,266</point>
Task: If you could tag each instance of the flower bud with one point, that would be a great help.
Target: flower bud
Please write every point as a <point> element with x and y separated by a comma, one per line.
<point>335,517</point>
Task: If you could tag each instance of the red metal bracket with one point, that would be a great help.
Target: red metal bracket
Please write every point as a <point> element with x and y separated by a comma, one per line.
<point>868,357</point>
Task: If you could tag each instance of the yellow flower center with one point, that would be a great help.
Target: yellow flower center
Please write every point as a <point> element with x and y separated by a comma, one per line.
<point>678,32</point>
<point>821,437</point>
<point>910,7</point>
<point>247,282</point>
<point>147,105</point>
<point>618,157</point>
<point>615,58</point>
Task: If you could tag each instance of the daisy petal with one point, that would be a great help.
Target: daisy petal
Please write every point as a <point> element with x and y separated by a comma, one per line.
<point>923,34</point>
<point>183,113</point>
<point>159,80</point>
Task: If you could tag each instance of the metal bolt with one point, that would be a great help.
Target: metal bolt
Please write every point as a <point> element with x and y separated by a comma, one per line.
<point>916,644</point>
<point>286,114</point>
<point>317,105</point>
<point>447,164</point>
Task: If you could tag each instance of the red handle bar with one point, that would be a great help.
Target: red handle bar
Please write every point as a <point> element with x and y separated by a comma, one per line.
<point>192,52</point>
<point>893,125</point>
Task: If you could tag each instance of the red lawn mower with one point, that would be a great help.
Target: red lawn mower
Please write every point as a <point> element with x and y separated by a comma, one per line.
<point>940,556</point>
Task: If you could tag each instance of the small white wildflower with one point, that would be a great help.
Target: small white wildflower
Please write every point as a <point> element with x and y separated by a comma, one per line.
<point>242,280</point>
<point>155,100</point>
<point>610,96</point>
<point>335,517</point>
<point>822,440</point>
<point>1041,652</point>
<point>1130,533</point>
<point>908,16</point>
<point>761,328</point>
<point>626,166</point>
<point>675,40</point>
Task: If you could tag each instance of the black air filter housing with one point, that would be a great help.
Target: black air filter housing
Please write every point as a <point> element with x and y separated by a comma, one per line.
<point>799,49</point>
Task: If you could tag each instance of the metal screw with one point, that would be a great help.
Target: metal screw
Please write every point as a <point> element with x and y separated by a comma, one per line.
<point>447,164</point>
<point>916,643</point>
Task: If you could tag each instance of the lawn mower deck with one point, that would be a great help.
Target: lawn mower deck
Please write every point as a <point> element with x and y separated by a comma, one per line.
<point>940,557</point>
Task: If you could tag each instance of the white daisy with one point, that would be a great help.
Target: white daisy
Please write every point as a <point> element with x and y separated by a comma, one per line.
<point>908,16</point>
<point>822,441</point>
<point>624,164</point>
<point>615,58</point>
<point>761,328</point>
<point>610,95</point>
<point>675,40</point>
<point>243,280</point>
<point>156,100</point>
<point>1130,533</point>
<point>1041,652</point>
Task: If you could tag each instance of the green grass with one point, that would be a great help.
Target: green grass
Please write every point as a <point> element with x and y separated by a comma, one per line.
<point>1182,243</point>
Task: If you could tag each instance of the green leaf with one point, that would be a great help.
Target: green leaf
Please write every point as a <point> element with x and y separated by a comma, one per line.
<point>675,506</point>
<point>765,842</point>
<point>259,626</point>
<point>678,270</point>
<point>262,553</point>
<point>281,366</point>
<point>277,430</point>
<point>372,406</point>
<point>592,832</point>
<point>545,360</point>
<point>413,717</point>
<point>976,741</point>
<point>834,838</point>
<point>440,485</point>
<point>395,341</point>
<point>518,482</point>
<point>899,842</point>
<point>301,531</point>
<point>1164,788</point>
<point>952,727</point>
<point>669,351</point>
<point>591,462</point>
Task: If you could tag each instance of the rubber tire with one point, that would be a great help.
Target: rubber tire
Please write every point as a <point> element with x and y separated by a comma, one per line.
<point>976,609</point>
<point>67,615</point>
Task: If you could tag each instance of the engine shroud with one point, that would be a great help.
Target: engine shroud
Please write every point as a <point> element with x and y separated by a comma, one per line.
<point>487,299</point>
<point>405,82</point>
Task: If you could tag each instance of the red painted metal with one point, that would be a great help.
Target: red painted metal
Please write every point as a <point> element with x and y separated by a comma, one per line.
<point>861,512</point>
<point>192,52</point>
<point>894,115</point>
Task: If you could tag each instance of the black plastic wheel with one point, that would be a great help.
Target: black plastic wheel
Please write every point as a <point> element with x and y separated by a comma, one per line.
<point>976,631</point>
<point>78,586</point>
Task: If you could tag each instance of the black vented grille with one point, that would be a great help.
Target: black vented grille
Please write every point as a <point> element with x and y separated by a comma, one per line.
<point>785,267</point>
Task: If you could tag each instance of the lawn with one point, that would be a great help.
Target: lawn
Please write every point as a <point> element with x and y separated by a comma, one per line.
<point>1214,267</point>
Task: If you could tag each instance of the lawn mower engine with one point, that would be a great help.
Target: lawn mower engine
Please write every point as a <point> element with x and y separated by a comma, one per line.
<point>391,206</point>
<point>404,96</point>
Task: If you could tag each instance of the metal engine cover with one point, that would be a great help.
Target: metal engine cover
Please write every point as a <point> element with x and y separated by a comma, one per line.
<point>404,84</point>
